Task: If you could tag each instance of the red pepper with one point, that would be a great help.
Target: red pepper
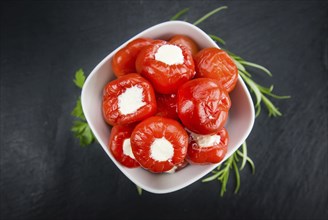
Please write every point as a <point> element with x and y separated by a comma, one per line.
<point>120,134</point>
<point>159,144</point>
<point>124,60</point>
<point>209,154</point>
<point>165,78</point>
<point>185,41</point>
<point>111,95</point>
<point>203,105</point>
<point>167,106</point>
<point>216,64</point>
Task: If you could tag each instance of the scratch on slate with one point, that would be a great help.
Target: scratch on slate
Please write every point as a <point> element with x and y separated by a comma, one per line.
<point>325,54</point>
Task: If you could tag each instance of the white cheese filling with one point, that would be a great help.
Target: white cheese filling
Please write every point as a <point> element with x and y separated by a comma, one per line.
<point>161,149</point>
<point>127,150</point>
<point>205,140</point>
<point>131,100</point>
<point>169,54</point>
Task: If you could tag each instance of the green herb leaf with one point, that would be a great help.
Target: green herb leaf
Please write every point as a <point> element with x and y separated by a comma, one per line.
<point>139,190</point>
<point>244,155</point>
<point>222,174</point>
<point>77,111</point>
<point>217,39</point>
<point>80,128</point>
<point>234,56</point>
<point>234,163</point>
<point>79,78</point>
<point>252,85</point>
<point>179,14</point>
<point>83,132</point>
<point>224,177</point>
<point>273,110</point>
<point>250,162</point>
<point>209,15</point>
<point>213,177</point>
<point>246,63</point>
<point>260,92</point>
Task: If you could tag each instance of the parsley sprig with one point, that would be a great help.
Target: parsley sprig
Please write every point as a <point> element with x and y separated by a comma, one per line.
<point>80,126</point>
<point>262,97</point>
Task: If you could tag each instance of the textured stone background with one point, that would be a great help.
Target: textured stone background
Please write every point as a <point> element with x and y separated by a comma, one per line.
<point>45,174</point>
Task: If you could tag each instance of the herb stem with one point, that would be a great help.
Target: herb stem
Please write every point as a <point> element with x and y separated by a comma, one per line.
<point>213,177</point>
<point>256,66</point>
<point>200,20</point>
<point>217,39</point>
<point>139,190</point>
<point>244,155</point>
<point>179,14</point>
<point>234,163</point>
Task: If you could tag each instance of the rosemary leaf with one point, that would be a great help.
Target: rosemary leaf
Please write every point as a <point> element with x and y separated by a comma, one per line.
<point>253,87</point>
<point>256,66</point>
<point>211,178</point>
<point>179,14</point>
<point>273,110</point>
<point>251,163</point>
<point>209,15</point>
<point>234,163</point>
<point>139,190</point>
<point>244,155</point>
<point>217,39</point>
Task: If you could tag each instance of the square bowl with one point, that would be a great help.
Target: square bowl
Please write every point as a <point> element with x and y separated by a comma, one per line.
<point>239,124</point>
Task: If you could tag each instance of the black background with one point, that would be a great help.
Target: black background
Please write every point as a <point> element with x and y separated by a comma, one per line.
<point>45,174</point>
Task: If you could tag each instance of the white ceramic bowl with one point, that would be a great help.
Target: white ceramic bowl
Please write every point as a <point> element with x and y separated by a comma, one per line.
<point>239,125</point>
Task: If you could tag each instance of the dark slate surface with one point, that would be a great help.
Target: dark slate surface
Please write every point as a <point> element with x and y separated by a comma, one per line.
<point>45,174</point>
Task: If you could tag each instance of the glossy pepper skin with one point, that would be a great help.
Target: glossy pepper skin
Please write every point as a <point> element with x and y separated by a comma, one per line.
<point>144,135</point>
<point>167,106</point>
<point>113,89</point>
<point>209,154</point>
<point>165,78</point>
<point>118,135</point>
<point>123,61</point>
<point>185,41</point>
<point>216,64</point>
<point>203,105</point>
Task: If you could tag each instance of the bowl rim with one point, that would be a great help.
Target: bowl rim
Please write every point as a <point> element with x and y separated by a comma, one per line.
<point>196,177</point>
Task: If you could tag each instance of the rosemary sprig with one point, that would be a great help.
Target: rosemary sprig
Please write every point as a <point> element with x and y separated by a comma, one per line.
<point>222,172</point>
<point>262,95</point>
